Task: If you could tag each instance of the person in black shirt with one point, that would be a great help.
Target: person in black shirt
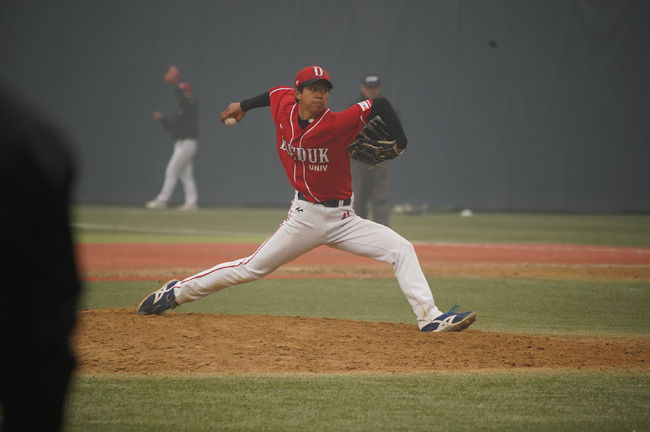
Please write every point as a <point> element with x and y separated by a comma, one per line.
<point>183,127</point>
<point>370,184</point>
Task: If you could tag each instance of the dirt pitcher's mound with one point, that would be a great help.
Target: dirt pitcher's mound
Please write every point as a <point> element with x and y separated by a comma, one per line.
<point>109,341</point>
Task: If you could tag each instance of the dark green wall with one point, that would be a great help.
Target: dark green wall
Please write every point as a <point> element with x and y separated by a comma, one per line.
<point>508,104</point>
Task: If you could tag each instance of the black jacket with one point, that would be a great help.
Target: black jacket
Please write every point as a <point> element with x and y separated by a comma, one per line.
<point>184,122</point>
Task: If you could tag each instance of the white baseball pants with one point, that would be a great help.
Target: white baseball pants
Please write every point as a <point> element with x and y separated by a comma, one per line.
<point>311,225</point>
<point>180,166</point>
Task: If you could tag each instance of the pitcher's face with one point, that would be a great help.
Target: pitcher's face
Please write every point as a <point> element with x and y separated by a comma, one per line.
<point>313,98</point>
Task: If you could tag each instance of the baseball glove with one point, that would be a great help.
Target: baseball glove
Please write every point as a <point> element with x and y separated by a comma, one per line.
<point>374,145</point>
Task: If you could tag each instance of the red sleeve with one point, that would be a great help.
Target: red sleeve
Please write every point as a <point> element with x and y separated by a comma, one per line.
<point>353,119</point>
<point>280,97</point>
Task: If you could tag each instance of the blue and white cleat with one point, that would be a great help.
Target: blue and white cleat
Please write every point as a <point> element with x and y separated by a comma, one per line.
<point>451,321</point>
<point>159,301</point>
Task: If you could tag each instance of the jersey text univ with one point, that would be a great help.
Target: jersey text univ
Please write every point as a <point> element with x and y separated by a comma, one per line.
<point>315,158</point>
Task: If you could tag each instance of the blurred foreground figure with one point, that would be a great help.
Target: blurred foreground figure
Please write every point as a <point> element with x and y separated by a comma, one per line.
<point>40,281</point>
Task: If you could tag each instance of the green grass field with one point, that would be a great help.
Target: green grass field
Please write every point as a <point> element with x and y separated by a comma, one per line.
<point>566,400</point>
<point>458,402</point>
<point>116,224</point>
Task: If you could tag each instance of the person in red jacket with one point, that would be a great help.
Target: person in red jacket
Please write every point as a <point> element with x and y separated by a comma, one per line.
<point>312,143</point>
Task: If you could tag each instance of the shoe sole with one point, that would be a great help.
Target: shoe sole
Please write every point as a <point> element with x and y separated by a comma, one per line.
<point>461,325</point>
<point>149,295</point>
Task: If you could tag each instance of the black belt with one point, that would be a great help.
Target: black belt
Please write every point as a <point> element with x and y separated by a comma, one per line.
<point>328,203</point>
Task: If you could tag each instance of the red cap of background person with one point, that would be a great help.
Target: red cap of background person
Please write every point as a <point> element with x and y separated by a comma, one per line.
<point>312,74</point>
<point>185,86</point>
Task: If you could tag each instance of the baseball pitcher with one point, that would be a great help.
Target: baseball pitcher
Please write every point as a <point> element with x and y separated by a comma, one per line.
<point>314,145</point>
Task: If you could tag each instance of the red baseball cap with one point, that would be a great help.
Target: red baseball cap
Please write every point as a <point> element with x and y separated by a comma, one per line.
<point>312,74</point>
<point>185,86</point>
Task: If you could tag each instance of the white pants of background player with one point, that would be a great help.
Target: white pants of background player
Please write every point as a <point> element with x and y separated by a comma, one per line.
<point>180,166</point>
<point>311,225</point>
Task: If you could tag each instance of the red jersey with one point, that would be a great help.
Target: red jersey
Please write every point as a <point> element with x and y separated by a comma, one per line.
<point>315,158</point>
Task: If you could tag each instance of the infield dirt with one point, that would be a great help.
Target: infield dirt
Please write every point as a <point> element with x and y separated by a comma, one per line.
<point>129,261</point>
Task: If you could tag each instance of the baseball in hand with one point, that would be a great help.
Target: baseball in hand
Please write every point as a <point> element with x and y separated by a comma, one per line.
<point>230,121</point>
